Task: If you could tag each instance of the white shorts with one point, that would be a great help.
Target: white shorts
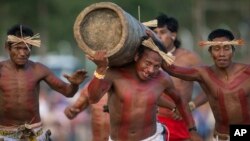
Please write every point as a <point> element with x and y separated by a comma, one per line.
<point>158,136</point>
<point>216,137</point>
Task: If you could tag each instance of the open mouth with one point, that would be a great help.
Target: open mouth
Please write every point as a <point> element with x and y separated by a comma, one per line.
<point>147,75</point>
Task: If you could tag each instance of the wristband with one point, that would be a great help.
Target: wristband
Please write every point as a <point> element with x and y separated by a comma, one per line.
<point>173,110</point>
<point>191,105</point>
<point>99,76</point>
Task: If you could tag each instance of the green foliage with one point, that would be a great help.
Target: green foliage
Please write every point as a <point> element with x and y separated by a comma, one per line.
<point>54,19</point>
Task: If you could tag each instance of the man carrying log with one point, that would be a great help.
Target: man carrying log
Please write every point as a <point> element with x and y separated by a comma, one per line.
<point>134,90</point>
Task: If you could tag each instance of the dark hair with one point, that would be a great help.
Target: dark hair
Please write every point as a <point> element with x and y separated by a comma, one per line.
<point>171,24</point>
<point>158,43</point>
<point>221,33</point>
<point>140,50</point>
<point>19,29</point>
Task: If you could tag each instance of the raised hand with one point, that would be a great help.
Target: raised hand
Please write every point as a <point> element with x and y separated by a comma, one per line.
<point>71,112</point>
<point>77,77</point>
<point>194,136</point>
<point>101,60</point>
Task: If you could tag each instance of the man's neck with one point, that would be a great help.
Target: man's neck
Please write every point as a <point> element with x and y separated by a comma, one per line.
<point>226,72</point>
<point>171,49</point>
<point>18,67</point>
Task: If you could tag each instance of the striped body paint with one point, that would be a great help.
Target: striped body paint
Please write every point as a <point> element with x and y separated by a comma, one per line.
<point>232,102</point>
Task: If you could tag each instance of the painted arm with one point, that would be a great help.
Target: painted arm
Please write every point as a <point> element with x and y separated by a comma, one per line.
<point>201,99</point>
<point>185,73</point>
<point>162,102</point>
<point>183,108</point>
<point>165,103</point>
<point>81,104</point>
<point>67,89</point>
<point>101,82</point>
<point>198,101</point>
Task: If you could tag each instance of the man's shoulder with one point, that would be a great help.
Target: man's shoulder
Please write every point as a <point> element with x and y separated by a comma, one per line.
<point>37,65</point>
<point>241,66</point>
<point>188,56</point>
<point>4,63</point>
<point>163,75</point>
<point>119,70</point>
<point>164,79</point>
<point>186,52</point>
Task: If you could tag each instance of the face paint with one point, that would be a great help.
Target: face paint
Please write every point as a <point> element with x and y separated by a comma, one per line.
<point>148,65</point>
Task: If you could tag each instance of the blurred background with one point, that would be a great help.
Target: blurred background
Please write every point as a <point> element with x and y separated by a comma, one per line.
<point>54,20</point>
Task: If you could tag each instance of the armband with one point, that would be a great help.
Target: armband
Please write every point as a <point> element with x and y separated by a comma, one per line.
<point>173,110</point>
<point>191,105</point>
<point>99,76</point>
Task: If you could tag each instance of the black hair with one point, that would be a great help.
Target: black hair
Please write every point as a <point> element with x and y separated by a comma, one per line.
<point>19,30</point>
<point>221,33</point>
<point>16,30</point>
<point>171,24</point>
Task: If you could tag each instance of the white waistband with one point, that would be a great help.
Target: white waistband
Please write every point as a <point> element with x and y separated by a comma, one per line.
<point>15,127</point>
<point>159,132</point>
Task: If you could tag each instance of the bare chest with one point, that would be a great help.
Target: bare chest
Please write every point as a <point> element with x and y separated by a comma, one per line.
<point>18,82</point>
<point>231,88</point>
<point>137,92</point>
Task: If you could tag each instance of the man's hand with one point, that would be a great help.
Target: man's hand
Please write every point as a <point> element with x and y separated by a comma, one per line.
<point>152,35</point>
<point>77,77</point>
<point>101,61</point>
<point>194,136</point>
<point>176,115</point>
<point>71,112</point>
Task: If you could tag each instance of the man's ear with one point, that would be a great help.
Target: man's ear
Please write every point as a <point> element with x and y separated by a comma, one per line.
<point>173,35</point>
<point>136,57</point>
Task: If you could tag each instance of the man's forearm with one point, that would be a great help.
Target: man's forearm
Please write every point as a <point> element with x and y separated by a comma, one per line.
<point>73,88</point>
<point>185,73</point>
<point>81,103</point>
<point>96,89</point>
<point>186,113</point>
<point>162,102</point>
